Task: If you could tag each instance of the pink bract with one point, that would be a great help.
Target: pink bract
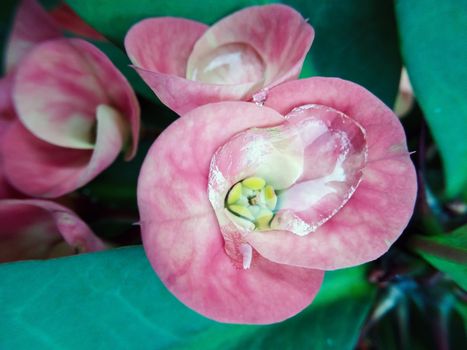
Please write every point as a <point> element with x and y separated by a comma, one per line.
<point>39,229</point>
<point>187,64</point>
<point>7,115</point>
<point>75,112</point>
<point>327,138</point>
<point>33,25</point>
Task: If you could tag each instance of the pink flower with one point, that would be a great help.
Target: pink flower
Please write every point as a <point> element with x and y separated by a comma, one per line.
<point>187,64</point>
<point>243,207</point>
<point>74,110</point>
<point>39,229</point>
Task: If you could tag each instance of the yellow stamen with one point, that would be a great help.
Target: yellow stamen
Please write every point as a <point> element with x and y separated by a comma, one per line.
<point>263,218</point>
<point>234,194</point>
<point>242,211</point>
<point>254,183</point>
<point>270,197</point>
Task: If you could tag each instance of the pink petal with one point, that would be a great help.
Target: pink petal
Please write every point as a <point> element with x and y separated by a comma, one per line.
<point>31,25</point>
<point>6,191</point>
<point>40,169</point>
<point>181,234</point>
<point>182,95</point>
<point>7,115</point>
<point>59,86</point>
<point>380,208</point>
<point>265,44</point>
<point>38,229</point>
<point>163,44</point>
<point>7,111</point>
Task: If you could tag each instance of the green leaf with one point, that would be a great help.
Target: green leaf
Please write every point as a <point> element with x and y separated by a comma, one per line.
<point>354,40</point>
<point>447,252</point>
<point>461,308</point>
<point>113,300</point>
<point>113,18</point>
<point>433,44</point>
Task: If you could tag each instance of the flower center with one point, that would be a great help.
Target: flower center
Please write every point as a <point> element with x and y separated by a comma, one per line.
<point>252,202</point>
<point>234,63</point>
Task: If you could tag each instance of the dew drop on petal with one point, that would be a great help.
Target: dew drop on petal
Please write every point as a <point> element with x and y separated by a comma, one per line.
<point>234,63</point>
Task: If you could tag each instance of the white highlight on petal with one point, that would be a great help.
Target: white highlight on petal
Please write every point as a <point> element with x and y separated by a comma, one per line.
<point>234,63</point>
<point>247,252</point>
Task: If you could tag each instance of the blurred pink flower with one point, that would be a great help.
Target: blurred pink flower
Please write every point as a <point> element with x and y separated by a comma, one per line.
<point>7,115</point>
<point>33,24</point>
<point>74,110</point>
<point>188,64</point>
<point>39,229</point>
<point>243,207</point>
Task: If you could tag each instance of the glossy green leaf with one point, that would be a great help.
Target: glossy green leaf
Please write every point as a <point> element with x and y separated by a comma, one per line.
<point>113,300</point>
<point>461,308</point>
<point>447,252</point>
<point>433,43</point>
<point>354,40</point>
<point>113,18</point>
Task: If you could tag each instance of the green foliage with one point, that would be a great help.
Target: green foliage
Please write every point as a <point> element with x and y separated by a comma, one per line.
<point>113,300</point>
<point>113,18</point>
<point>446,252</point>
<point>433,43</point>
<point>354,40</point>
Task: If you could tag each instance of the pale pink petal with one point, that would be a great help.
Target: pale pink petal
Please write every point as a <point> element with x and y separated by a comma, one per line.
<point>382,205</point>
<point>38,229</point>
<point>182,95</point>
<point>265,44</point>
<point>159,48</point>
<point>181,234</point>
<point>40,169</point>
<point>68,20</point>
<point>59,86</point>
<point>31,25</point>
<point>163,44</point>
